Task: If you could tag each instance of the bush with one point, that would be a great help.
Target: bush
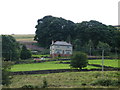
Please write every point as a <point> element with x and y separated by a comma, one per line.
<point>79,60</point>
<point>29,86</point>
<point>45,84</point>
<point>106,82</point>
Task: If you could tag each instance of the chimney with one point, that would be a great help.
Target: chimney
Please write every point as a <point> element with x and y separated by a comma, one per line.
<point>52,42</point>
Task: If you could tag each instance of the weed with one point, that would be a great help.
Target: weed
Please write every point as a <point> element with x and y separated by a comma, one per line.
<point>29,86</point>
<point>45,83</point>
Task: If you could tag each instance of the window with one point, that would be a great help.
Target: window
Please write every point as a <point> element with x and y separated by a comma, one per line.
<point>67,52</point>
<point>68,46</point>
<point>58,46</point>
<point>58,51</point>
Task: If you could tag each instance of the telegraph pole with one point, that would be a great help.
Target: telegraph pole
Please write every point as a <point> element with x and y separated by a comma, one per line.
<point>102,60</point>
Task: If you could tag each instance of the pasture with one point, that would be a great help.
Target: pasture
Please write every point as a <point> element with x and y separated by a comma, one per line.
<point>107,62</point>
<point>43,66</point>
<point>39,56</point>
<point>51,65</point>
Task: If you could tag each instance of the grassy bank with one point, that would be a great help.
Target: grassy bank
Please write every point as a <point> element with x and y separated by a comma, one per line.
<point>67,79</point>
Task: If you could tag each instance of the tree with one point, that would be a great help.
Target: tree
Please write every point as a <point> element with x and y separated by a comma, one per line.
<point>103,47</point>
<point>52,28</point>
<point>79,60</point>
<point>10,48</point>
<point>117,40</point>
<point>77,44</point>
<point>25,53</point>
<point>90,45</point>
<point>79,34</point>
<point>94,31</point>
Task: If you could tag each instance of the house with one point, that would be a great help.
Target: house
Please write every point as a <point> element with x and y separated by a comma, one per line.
<point>61,48</point>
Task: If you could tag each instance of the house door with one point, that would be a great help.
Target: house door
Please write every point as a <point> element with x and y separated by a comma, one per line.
<point>63,53</point>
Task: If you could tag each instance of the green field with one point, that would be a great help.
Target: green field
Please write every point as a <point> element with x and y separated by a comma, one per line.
<point>43,66</point>
<point>107,62</point>
<point>39,66</point>
<point>40,56</point>
<point>55,65</point>
<point>66,79</point>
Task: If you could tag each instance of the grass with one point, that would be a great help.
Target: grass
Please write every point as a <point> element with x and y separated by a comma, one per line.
<point>41,55</point>
<point>107,62</point>
<point>55,65</point>
<point>65,80</point>
<point>39,66</point>
<point>43,66</point>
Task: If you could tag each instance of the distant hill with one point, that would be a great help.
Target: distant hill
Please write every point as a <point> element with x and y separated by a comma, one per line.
<point>24,37</point>
<point>117,26</point>
<point>28,40</point>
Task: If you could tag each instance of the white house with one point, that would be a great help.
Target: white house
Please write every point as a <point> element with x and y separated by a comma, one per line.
<point>61,48</point>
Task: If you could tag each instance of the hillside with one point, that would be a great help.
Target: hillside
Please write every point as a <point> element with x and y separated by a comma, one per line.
<point>28,40</point>
<point>24,37</point>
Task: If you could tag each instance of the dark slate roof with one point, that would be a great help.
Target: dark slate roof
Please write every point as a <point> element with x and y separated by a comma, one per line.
<point>61,43</point>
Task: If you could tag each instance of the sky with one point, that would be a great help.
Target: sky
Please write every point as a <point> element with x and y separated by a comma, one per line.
<point>20,16</point>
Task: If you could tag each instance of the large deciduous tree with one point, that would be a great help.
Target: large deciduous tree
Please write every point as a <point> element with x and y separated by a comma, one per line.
<point>10,48</point>
<point>52,28</point>
<point>94,31</point>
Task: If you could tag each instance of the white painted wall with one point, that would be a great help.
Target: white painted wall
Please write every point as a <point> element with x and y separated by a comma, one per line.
<point>54,49</point>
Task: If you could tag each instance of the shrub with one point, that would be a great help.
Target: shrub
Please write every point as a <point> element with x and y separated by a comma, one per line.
<point>45,84</point>
<point>29,86</point>
<point>79,60</point>
<point>106,82</point>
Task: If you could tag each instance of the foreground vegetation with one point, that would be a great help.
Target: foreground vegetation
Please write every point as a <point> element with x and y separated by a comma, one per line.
<point>91,79</point>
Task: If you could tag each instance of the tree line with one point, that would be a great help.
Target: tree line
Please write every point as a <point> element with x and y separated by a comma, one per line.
<point>87,34</point>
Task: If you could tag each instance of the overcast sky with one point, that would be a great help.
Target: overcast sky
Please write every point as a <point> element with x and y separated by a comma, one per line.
<point>20,16</point>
